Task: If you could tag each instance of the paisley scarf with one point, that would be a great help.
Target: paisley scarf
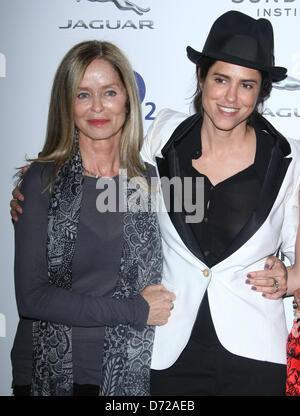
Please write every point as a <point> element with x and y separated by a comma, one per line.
<point>127,352</point>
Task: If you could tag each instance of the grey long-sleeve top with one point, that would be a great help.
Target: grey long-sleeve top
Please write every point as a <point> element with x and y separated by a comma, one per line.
<point>88,307</point>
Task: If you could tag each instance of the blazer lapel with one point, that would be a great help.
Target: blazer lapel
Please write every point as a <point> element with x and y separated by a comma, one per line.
<point>275,175</point>
<point>168,167</point>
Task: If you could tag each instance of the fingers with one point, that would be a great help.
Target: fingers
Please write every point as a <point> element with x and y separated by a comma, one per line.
<point>159,317</point>
<point>17,194</point>
<point>270,262</point>
<point>24,170</point>
<point>160,302</point>
<point>15,206</point>
<point>15,209</point>
<point>269,288</point>
<point>14,216</point>
<point>160,291</point>
<point>272,281</point>
<point>277,271</point>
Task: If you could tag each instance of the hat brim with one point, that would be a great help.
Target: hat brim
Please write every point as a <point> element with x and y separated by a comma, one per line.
<point>277,73</point>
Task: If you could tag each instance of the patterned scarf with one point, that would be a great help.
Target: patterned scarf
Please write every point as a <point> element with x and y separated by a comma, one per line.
<point>127,352</point>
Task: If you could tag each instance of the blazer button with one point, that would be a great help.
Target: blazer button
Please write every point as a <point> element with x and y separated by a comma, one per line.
<point>206,272</point>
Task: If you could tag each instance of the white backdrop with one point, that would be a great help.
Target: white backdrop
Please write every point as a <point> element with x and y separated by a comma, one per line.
<point>34,36</point>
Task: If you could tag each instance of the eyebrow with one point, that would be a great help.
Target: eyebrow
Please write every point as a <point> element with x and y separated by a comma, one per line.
<point>83,87</point>
<point>242,80</point>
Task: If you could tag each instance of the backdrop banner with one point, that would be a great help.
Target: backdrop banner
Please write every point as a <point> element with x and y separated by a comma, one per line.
<point>36,34</point>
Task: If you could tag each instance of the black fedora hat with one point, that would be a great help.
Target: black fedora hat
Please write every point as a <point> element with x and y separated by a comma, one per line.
<point>239,39</point>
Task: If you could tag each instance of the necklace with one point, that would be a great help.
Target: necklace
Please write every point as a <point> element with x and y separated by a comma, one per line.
<point>91,173</point>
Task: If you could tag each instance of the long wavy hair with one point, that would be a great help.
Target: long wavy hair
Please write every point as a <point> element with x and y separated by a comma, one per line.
<point>59,143</point>
<point>202,68</point>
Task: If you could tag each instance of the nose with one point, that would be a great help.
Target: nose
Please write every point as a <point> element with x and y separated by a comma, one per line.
<point>97,104</point>
<point>231,93</point>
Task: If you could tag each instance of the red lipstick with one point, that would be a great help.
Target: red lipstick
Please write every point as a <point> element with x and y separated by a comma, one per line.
<point>98,122</point>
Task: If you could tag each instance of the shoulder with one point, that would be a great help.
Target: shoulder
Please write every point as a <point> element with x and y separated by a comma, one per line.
<point>169,116</point>
<point>36,202</point>
<point>295,155</point>
<point>295,147</point>
<point>160,131</point>
<point>294,167</point>
<point>37,177</point>
<point>165,123</point>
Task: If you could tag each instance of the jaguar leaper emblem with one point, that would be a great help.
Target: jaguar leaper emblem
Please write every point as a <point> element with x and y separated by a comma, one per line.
<point>126,5</point>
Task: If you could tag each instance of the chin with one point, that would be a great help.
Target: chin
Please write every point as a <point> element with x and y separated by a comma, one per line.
<point>229,125</point>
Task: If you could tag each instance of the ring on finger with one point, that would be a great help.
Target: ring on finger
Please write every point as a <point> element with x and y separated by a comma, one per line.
<point>276,286</point>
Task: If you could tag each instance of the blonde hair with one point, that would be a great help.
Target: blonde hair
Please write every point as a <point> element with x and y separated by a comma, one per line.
<point>59,144</point>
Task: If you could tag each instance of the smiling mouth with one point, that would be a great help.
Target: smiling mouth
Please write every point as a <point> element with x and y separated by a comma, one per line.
<point>98,122</point>
<point>228,109</point>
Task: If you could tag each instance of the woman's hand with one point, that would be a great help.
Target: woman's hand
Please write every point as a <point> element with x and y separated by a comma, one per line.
<point>272,281</point>
<point>15,208</point>
<point>160,301</point>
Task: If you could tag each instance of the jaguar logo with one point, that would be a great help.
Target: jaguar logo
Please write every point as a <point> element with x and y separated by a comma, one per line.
<point>289,84</point>
<point>125,5</point>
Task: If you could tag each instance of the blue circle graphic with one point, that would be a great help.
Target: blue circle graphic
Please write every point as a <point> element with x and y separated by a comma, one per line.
<point>141,84</point>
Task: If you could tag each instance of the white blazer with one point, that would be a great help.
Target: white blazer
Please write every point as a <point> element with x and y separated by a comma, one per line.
<point>246,323</point>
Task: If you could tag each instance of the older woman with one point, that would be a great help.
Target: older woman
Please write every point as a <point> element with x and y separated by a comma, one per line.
<point>227,339</point>
<point>82,277</point>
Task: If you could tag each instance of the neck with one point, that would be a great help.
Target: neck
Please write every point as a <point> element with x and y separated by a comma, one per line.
<point>216,141</point>
<point>100,157</point>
